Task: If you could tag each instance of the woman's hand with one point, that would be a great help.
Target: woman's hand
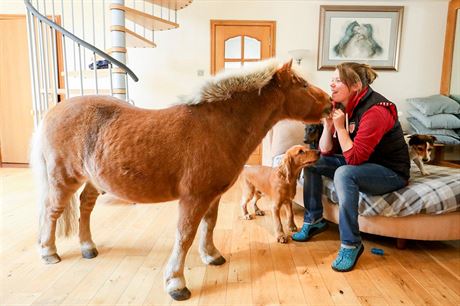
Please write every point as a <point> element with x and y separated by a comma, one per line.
<point>338,117</point>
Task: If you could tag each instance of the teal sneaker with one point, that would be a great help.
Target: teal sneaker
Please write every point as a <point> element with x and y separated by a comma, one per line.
<point>309,230</point>
<point>347,258</point>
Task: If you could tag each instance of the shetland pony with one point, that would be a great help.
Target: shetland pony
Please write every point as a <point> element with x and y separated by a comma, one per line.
<point>193,152</point>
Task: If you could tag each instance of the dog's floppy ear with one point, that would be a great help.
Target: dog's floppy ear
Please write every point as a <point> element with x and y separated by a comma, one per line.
<point>432,139</point>
<point>286,166</point>
<point>413,139</point>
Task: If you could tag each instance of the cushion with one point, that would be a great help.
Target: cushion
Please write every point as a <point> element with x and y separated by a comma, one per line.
<point>436,104</point>
<point>455,97</point>
<point>448,140</point>
<point>443,135</point>
<point>440,121</point>
<point>286,133</point>
<point>436,193</point>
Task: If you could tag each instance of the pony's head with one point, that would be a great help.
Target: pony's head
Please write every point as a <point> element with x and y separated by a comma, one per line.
<point>302,100</point>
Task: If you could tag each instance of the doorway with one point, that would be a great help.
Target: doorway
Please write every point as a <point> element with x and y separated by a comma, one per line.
<point>16,115</point>
<point>16,105</point>
<point>240,43</point>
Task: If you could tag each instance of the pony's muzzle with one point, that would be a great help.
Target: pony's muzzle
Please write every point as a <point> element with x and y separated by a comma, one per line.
<point>327,110</point>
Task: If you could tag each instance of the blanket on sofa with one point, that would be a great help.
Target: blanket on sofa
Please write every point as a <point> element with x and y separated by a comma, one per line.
<point>437,193</point>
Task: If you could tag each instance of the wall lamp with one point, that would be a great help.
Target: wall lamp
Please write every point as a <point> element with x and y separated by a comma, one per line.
<point>299,54</point>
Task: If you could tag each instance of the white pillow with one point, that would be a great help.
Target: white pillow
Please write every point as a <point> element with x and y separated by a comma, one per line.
<point>436,104</point>
<point>442,135</point>
<point>440,121</point>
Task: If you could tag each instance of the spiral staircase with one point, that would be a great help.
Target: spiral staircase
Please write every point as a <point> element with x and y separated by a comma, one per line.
<point>68,45</point>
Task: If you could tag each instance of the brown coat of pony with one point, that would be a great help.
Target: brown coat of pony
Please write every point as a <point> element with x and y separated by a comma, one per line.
<point>192,152</point>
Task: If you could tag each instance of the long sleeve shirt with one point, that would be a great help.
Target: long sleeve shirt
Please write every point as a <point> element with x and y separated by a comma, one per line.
<point>375,123</point>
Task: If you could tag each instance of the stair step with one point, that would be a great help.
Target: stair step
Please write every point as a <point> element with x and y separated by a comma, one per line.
<point>87,74</point>
<point>172,5</point>
<point>145,20</point>
<point>88,91</point>
<point>134,40</point>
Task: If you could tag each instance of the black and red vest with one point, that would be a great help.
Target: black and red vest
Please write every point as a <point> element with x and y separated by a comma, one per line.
<point>391,151</point>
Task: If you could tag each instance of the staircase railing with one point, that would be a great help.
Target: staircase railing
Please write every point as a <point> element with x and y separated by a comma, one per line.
<point>50,76</point>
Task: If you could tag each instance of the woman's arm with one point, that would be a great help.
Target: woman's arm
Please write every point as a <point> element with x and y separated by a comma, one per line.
<point>325,142</point>
<point>342,134</point>
<point>374,124</point>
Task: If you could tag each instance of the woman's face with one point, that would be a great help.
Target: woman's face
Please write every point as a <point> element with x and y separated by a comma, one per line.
<point>340,91</point>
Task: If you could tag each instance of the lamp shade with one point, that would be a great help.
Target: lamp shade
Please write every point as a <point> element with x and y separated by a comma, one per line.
<point>298,54</point>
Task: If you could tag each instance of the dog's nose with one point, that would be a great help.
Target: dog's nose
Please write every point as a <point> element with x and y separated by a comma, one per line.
<point>425,160</point>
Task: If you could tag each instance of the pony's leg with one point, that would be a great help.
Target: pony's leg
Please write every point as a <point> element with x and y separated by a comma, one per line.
<point>88,199</point>
<point>248,193</point>
<point>57,198</point>
<point>257,210</point>
<point>209,254</point>
<point>190,213</point>
<point>278,227</point>
<point>290,215</point>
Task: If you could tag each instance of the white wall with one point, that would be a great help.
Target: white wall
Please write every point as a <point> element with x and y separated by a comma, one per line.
<point>171,69</point>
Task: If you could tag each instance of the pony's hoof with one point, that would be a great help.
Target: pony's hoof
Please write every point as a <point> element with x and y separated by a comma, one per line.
<point>260,213</point>
<point>218,261</point>
<point>88,254</point>
<point>180,294</point>
<point>51,259</point>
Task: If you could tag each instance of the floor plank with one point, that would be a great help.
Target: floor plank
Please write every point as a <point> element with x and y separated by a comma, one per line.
<point>135,241</point>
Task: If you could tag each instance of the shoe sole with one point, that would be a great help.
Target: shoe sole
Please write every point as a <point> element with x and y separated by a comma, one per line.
<point>354,264</point>
<point>313,232</point>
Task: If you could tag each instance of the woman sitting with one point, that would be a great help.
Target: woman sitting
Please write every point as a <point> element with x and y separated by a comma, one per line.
<point>363,149</point>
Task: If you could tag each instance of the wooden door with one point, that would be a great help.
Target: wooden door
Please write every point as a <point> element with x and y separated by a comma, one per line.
<point>16,117</point>
<point>235,44</point>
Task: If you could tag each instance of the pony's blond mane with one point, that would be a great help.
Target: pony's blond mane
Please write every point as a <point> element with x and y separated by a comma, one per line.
<point>222,86</point>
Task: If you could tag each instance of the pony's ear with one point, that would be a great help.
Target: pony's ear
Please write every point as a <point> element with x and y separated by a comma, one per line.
<point>284,75</point>
<point>287,66</point>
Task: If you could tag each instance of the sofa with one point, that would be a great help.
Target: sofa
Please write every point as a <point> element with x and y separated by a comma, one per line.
<point>419,225</point>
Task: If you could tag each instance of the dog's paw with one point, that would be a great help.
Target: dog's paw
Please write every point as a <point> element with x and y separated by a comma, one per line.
<point>246,217</point>
<point>282,238</point>
<point>293,228</point>
<point>425,173</point>
<point>260,213</point>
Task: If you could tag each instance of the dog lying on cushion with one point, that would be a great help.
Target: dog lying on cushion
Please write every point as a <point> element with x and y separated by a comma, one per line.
<point>278,183</point>
<point>420,147</point>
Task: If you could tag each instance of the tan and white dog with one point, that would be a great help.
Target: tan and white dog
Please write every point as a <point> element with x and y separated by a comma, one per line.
<point>420,147</point>
<point>278,183</point>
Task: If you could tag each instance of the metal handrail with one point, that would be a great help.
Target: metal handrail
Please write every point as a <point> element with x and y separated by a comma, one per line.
<point>60,29</point>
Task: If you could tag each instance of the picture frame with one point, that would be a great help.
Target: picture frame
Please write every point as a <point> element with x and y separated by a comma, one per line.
<point>364,34</point>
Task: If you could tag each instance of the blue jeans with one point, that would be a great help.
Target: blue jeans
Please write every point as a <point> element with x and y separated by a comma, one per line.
<point>349,180</point>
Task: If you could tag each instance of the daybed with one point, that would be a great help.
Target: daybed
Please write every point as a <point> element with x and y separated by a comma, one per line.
<point>431,211</point>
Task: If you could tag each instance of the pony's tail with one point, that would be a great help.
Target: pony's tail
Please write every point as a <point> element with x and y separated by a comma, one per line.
<point>68,222</point>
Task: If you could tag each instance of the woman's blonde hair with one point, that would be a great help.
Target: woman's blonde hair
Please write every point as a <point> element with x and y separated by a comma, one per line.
<point>352,73</point>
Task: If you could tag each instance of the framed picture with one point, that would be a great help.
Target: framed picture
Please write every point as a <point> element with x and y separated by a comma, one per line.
<point>365,34</point>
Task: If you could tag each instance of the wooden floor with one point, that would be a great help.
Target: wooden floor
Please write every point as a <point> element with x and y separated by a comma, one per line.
<point>134,242</point>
